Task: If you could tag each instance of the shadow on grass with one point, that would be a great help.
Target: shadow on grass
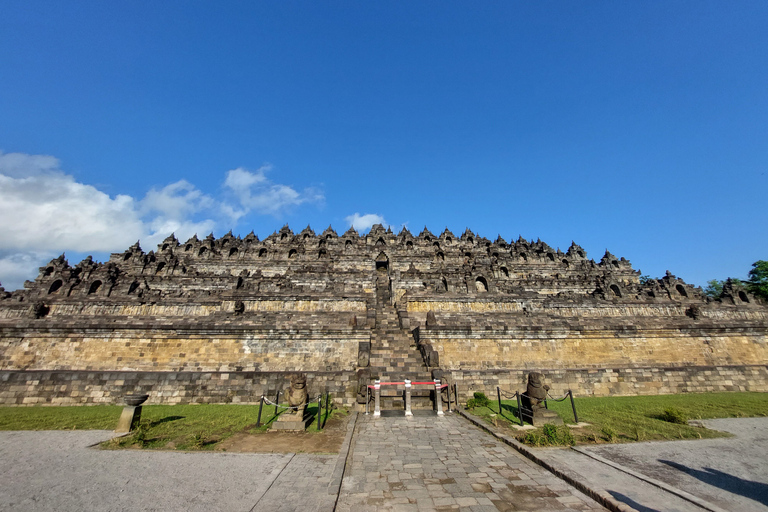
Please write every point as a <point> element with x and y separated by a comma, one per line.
<point>155,423</point>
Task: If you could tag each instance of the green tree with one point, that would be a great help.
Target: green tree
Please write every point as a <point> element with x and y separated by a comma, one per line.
<point>645,279</point>
<point>714,288</point>
<point>758,279</point>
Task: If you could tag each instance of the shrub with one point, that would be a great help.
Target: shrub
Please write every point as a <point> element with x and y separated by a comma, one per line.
<point>479,400</point>
<point>673,415</point>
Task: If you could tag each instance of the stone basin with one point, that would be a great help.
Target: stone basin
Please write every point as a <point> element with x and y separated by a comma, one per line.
<point>135,400</point>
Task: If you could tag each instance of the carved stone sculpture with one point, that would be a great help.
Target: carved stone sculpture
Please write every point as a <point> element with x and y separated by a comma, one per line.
<point>295,418</point>
<point>532,403</point>
<point>535,392</point>
<point>297,394</point>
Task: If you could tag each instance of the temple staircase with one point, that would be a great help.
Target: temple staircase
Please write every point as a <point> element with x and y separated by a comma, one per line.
<point>394,355</point>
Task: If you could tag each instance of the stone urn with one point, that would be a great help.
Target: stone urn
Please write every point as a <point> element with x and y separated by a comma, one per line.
<point>135,400</point>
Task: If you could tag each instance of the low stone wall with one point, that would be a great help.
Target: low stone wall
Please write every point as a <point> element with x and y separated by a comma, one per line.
<point>43,387</point>
<point>618,381</point>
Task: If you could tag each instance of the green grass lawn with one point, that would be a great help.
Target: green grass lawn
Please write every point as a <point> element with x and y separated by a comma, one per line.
<point>183,427</point>
<point>637,418</point>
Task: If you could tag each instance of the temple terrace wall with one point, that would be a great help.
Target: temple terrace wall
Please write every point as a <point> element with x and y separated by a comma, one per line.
<point>208,350</point>
<point>619,381</point>
<point>26,388</point>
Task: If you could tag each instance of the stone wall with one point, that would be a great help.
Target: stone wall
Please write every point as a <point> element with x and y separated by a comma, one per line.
<point>526,347</point>
<point>180,349</point>
<point>89,388</point>
<point>618,381</point>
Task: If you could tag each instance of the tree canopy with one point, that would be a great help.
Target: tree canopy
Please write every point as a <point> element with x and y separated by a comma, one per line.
<point>758,279</point>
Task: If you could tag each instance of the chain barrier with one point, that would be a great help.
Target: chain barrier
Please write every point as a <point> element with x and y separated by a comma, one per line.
<point>293,408</point>
<point>520,408</point>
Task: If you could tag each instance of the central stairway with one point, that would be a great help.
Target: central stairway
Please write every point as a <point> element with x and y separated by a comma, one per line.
<point>394,355</point>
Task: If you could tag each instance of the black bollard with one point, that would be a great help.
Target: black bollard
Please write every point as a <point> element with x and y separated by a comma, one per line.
<point>261,404</point>
<point>570,394</point>
<point>277,401</point>
<point>519,408</point>
<point>319,410</point>
<point>498,396</point>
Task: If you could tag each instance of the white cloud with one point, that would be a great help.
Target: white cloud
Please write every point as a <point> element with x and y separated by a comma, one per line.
<point>18,267</point>
<point>364,222</point>
<point>44,212</point>
<point>51,211</point>
<point>21,165</point>
<point>256,192</point>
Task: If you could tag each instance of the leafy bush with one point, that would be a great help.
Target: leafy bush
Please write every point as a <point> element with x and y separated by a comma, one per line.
<point>673,415</point>
<point>479,400</point>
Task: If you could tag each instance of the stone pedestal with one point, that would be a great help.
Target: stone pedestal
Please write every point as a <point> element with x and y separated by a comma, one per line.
<point>541,417</point>
<point>129,419</point>
<point>296,421</point>
<point>131,415</point>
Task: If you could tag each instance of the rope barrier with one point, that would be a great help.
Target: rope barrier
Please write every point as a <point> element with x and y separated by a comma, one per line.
<point>293,408</point>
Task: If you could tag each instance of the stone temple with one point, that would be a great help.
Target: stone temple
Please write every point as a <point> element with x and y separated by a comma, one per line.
<point>229,319</point>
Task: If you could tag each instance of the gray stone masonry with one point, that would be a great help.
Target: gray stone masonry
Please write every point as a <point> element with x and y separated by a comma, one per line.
<point>426,463</point>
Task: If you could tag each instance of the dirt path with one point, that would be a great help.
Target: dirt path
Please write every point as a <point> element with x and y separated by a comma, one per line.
<point>328,440</point>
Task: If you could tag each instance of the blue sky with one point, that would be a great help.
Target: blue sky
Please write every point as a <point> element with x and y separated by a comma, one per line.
<point>640,127</point>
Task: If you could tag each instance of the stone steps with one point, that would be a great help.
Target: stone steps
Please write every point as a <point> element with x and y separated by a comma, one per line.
<point>394,357</point>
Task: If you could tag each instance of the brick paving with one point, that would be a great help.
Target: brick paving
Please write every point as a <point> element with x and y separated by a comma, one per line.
<point>427,463</point>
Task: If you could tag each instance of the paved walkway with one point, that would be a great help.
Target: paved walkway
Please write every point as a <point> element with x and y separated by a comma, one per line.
<point>421,463</point>
<point>429,463</point>
<point>44,471</point>
<point>721,474</point>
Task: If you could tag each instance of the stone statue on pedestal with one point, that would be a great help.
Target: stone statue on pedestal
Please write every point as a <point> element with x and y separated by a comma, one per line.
<point>533,403</point>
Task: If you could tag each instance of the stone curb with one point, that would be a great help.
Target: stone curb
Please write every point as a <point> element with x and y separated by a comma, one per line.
<point>672,490</point>
<point>599,496</point>
<point>334,487</point>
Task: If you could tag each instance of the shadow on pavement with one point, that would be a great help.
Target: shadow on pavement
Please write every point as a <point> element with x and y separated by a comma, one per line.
<point>632,503</point>
<point>757,491</point>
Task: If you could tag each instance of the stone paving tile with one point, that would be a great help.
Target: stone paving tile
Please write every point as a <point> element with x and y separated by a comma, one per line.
<point>439,464</point>
<point>301,485</point>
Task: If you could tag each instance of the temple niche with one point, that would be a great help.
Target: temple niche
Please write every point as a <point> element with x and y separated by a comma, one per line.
<point>389,305</point>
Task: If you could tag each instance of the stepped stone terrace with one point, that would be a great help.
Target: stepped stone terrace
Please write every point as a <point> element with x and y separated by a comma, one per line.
<point>228,319</point>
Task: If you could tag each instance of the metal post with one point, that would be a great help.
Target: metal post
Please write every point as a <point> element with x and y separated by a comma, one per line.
<point>519,408</point>
<point>498,396</point>
<point>449,397</point>
<point>408,398</point>
<point>575,417</point>
<point>277,401</point>
<point>377,397</point>
<point>456,394</point>
<point>261,404</point>
<point>438,398</point>
<point>367,398</point>
<point>327,407</point>
<point>319,410</point>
